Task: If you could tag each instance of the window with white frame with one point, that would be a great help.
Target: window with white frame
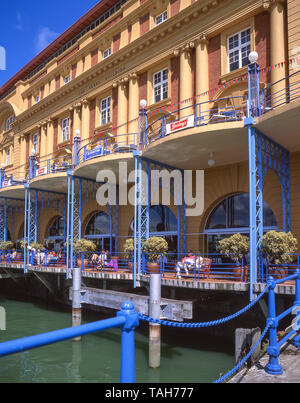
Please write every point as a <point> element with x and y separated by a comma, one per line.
<point>67,79</point>
<point>7,157</point>
<point>65,124</point>
<point>35,143</point>
<point>239,47</point>
<point>161,18</point>
<point>105,105</point>
<point>9,122</point>
<point>106,53</point>
<point>160,85</point>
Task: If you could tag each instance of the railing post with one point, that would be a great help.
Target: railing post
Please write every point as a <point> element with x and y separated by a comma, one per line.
<point>32,173</point>
<point>254,90</point>
<point>296,340</point>
<point>273,367</point>
<point>127,343</point>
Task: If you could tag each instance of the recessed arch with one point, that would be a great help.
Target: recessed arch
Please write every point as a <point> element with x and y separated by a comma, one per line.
<point>100,230</point>
<point>162,223</point>
<point>230,215</point>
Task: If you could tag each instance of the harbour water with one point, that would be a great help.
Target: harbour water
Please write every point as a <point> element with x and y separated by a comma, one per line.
<point>187,355</point>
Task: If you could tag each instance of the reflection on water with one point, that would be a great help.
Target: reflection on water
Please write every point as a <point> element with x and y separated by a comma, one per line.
<point>187,356</point>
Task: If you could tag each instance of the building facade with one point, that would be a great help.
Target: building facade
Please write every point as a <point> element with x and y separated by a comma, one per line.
<point>75,110</point>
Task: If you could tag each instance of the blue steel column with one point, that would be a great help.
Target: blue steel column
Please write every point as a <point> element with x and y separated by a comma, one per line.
<point>69,174</point>
<point>252,208</point>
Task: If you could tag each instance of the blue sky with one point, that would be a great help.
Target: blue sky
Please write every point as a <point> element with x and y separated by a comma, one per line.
<point>27,27</point>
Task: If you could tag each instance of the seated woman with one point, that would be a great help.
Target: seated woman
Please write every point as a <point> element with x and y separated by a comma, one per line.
<point>101,260</point>
<point>187,263</point>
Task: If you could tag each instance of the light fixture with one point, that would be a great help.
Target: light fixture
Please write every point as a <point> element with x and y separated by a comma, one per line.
<point>77,132</point>
<point>211,161</point>
<point>143,103</point>
<point>253,57</point>
<point>33,152</point>
<point>2,165</point>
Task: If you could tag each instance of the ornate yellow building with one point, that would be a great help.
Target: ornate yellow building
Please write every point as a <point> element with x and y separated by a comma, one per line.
<point>76,108</point>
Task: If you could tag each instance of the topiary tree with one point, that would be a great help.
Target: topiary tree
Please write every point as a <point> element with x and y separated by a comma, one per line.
<point>155,247</point>
<point>278,247</point>
<point>235,247</point>
<point>129,247</point>
<point>37,246</point>
<point>8,245</point>
<point>84,245</point>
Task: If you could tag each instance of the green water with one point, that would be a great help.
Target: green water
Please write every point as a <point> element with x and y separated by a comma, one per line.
<point>187,356</point>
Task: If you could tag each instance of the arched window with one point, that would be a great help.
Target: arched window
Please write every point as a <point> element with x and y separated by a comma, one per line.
<point>56,229</point>
<point>98,229</point>
<point>56,234</point>
<point>163,223</point>
<point>231,216</point>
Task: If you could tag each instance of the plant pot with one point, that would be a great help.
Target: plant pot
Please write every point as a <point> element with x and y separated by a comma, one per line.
<point>131,267</point>
<point>153,268</point>
<point>241,274</point>
<point>85,263</point>
<point>278,272</point>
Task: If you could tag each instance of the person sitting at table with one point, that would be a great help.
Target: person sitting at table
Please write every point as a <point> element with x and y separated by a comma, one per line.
<point>13,255</point>
<point>102,259</point>
<point>187,263</point>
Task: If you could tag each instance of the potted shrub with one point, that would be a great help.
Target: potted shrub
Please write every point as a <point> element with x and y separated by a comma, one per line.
<point>8,245</point>
<point>83,245</point>
<point>38,246</point>
<point>277,248</point>
<point>155,247</point>
<point>236,247</point>
<point>129,251</point>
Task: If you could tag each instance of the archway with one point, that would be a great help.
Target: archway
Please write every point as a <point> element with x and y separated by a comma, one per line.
<point>55,236</point>
<point>162,223</point>
<point>231,216</point>
<point>100,230</point>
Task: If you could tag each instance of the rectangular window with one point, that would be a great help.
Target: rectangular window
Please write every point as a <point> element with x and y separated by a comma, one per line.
<point>106,53</point>
<point>9,122</point>
<point>35,142</point>
<point>37,99</point>
<point>65,129</point>
<point>7,157</point>
<point>239,47</point>
<point>160,85</point>
<point>161,18</point>
<point>105,105</point>
<point>67,79</point>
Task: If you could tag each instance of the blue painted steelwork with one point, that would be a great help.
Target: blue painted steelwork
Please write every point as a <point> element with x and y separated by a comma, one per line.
<point>254,107</point>
<point>127,319</point>
<point>272,97</point>
<point>273,367</point>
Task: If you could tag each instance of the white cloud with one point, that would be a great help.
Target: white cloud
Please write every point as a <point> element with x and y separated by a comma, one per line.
<point>19,25</point>
<point>44,37</point>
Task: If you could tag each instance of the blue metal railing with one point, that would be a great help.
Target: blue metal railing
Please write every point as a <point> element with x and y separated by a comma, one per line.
<point>201,114</point>
<point>273,350</point>
<point>197,266</point>
<point>281,92</point>
<point>113,144</point>
<point>127,319</point>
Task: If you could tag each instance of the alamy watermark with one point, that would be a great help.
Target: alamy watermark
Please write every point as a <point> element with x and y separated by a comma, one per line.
<point>167,187</point>
<point>2,58</point>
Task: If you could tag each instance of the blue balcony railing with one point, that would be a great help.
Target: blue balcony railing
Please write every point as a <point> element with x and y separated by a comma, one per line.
<point>281,92</point>
<point>230,109</point>
<point>118,144</point>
